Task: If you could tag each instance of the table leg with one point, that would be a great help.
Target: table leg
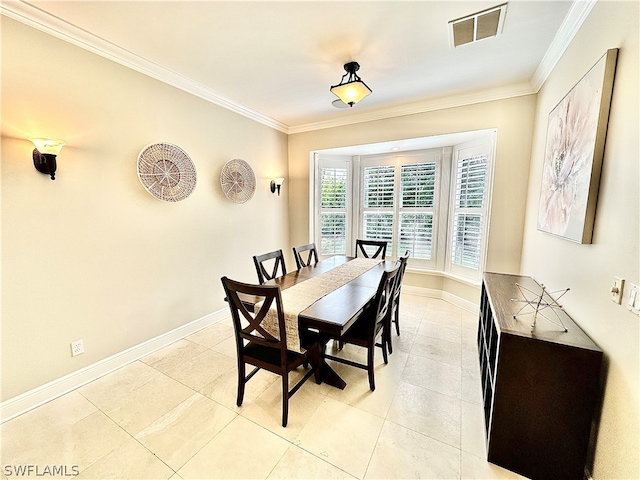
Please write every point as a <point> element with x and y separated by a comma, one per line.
<point>327,374</point>
<point>316,345</point>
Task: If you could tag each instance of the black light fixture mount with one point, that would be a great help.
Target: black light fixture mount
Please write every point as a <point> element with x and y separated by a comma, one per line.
<point>45,153</point>
<point>276,183</point>
<point>351,88</point>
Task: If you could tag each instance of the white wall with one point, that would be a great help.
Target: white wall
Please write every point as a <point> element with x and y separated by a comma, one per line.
<point>589,269</point>
<point>513,118</point>
<point>92,255</point>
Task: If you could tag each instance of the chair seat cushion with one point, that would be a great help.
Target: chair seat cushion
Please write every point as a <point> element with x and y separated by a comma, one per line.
<point>267,354</point>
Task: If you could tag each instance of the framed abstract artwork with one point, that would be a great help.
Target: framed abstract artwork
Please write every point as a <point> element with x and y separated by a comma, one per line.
<point>573,155</point>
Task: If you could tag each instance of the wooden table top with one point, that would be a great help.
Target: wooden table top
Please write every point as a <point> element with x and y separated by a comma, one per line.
<point>334,313</point>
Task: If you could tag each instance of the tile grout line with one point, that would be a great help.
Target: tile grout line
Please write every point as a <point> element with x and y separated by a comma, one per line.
<point>131,436</point>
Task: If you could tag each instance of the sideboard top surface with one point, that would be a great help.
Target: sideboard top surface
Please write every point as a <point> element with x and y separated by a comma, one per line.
<point>501,289</point>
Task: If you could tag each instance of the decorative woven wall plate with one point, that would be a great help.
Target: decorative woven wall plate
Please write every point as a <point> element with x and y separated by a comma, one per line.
<point>238,181</point>
<point>166,172</point>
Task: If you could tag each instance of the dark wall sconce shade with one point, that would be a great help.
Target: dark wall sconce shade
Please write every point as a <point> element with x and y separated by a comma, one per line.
<point>45,153</point>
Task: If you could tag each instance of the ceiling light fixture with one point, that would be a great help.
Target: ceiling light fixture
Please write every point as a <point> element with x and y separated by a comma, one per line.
<point>351,88</point>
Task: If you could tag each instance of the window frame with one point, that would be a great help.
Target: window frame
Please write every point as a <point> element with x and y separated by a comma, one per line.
<point>444,193</point>
<point>397,161</point>
<point>474,148</point>
<point>337,162</point>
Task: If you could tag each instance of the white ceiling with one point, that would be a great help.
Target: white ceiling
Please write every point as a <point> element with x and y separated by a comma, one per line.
<point>275,61</point>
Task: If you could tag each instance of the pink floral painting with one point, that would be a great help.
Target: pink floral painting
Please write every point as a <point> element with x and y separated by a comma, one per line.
<point>573,155</point>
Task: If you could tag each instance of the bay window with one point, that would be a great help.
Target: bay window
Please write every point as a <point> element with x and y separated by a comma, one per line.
<point>433,203</point>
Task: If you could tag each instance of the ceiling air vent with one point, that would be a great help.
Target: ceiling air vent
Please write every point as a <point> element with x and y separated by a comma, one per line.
<point>475,27</point>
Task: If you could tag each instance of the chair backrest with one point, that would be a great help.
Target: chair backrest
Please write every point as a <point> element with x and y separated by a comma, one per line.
<point>248,325</point>
<point>402,263</point>
<point>402,266</point>
<point>263,274</point>
<point>379,248</point>
<point>385,294</point>
<point>311,255</point>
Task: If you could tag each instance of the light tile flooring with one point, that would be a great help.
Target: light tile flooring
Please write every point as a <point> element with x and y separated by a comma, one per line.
<point>172,414</point>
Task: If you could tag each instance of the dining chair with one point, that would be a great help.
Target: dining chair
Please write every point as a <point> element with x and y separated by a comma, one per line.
<point>256,346</point>
<point>394,317</point>
<point>379,248</point>
<point>312,255</point>
<point>263,274</point>
<point>371,325</point>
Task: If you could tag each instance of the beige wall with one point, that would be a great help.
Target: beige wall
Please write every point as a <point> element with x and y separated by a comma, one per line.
<point>513,119</point>
<point>589,269</point>
<point>92,255</point>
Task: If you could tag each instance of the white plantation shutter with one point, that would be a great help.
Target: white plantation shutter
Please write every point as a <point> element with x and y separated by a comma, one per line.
<point>398,205</point>
<point>378,226</point>
<point>433,203</point>
<point>470,175</point>
<point>416,235</point>
<point>417,194</point>
<point>378,203</point>
<point>417,182</point>
<point>333,208</point>
<point>379,189</point>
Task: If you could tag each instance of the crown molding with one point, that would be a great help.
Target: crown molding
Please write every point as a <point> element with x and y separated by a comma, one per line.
<point>452,101</point>
<point>576,16</point>
<point>47,23</point>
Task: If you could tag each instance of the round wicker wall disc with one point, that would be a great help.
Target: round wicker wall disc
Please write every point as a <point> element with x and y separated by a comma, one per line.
<point>166,172</point>
<point>238,181</point>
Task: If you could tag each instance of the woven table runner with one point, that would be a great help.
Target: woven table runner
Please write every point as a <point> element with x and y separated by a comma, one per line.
<point>304,294</point>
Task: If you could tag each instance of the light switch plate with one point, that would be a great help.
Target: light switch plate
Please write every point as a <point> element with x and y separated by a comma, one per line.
<point>617,289</point>
<point>633,302</point>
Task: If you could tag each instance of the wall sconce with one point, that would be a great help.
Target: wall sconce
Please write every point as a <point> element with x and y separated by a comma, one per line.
<point>276,183</point>
<point>44,155</point>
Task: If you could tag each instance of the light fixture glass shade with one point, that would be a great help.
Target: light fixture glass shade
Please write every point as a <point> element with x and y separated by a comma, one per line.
<point>351,92</point>
<point>351,88</point>
<point>278,181</point>
<point>51,146</point>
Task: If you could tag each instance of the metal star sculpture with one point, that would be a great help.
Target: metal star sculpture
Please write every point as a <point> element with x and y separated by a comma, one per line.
<point>538,303</point>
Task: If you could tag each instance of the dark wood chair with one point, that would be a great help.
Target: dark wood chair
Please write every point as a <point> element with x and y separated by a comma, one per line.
<point>373,323</point>
<point>379,248</point>
<point>256,346</point>
<point>263,274</point>
<point>395,305</point>
<point>310,253</point>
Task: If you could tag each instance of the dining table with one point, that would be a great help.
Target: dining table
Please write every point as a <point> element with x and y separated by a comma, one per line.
<point>334,312</point>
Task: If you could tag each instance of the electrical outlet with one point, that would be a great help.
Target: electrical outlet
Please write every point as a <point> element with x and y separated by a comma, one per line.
<point>77,348</point>
<point>616,290</point>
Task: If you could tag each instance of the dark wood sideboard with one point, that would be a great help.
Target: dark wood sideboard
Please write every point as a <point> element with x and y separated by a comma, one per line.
<point>541,386</point>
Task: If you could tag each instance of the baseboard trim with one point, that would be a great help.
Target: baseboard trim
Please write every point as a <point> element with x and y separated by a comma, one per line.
<point>16,406</point>
<point>461,302</point>
<point>49,391</point>
<point>422,291</point>
<point>446,296</point>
